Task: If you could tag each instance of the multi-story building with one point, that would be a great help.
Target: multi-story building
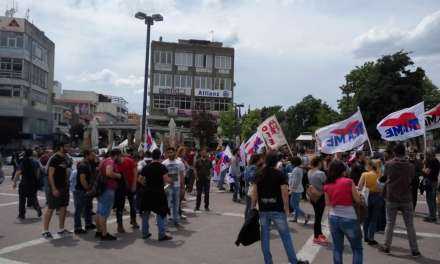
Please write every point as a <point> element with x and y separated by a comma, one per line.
<point>188,76</point>
<point>26,80</point>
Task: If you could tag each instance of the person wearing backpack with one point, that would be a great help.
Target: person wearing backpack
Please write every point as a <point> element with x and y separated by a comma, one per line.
<point>86,172</point>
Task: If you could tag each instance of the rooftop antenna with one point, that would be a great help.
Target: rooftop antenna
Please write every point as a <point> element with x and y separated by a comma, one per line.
<point>11,12</point>
<point>28,11</point>
<point>211,35</point>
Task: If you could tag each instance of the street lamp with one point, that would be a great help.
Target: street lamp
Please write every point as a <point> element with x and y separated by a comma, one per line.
<point>237,122</point>
<point>149,21</point>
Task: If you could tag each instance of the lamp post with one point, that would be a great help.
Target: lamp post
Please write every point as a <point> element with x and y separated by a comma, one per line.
<point>238,123</point>
<point>149,21</point>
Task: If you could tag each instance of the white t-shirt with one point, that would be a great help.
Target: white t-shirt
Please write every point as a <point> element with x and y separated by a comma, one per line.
<point>175,168</point>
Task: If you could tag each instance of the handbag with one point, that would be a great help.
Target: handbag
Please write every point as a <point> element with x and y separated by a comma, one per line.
<point>361,210</point>
<point>313,193</point>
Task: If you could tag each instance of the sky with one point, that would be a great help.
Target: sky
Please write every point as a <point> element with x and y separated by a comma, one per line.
<point>284,49</point>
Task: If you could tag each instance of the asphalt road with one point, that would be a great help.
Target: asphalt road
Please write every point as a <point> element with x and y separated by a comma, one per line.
<point>206,237</point>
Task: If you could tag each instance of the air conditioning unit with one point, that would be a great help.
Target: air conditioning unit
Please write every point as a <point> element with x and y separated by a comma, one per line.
<point>172,111</point>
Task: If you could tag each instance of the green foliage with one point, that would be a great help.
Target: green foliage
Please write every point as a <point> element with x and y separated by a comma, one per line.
<point>203,127</point>
<point>228,123</point>
<point>307,116</point>
<point>385,86</point>
<point>249,123</point>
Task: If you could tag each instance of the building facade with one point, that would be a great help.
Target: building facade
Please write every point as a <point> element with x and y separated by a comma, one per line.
<point>26,83</point>
<point>188,76</point>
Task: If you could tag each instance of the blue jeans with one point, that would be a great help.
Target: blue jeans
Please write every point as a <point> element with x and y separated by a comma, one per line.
<point>431,195</point>
<point>280,221</point>
<point>340,227</point>
<point>105,203</point>
<point>83,207</point>
<point>160,221</point>
<point>221,182</point>
<point>375,204</point>
<point>295,198</point>
<point>236,194</point>
<point>173,203</point>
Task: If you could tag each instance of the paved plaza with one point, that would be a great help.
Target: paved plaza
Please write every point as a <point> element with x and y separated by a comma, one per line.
<point>206,237</point>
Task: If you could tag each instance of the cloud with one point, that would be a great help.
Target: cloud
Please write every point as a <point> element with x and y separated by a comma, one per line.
<point>109,77</point>
<point>423,39</point>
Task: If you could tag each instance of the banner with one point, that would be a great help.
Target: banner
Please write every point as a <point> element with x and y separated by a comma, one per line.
<point>253,145</point>
<point>342,136</point>
<point>404,124</point>
<point>272,133</point>
<point>150,144</point>
<point>432,118</point>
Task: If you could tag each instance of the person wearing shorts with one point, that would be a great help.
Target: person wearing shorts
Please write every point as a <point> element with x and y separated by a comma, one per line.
<point>108,169</point>
<point>58,195</point>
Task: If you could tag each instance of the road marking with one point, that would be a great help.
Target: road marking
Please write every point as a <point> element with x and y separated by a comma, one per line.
<point>9,194</point>
<point>426,235</point>
<point>310,250</point>
<point>10,261</point>
<point>40,241</point>
<point>8,204</point>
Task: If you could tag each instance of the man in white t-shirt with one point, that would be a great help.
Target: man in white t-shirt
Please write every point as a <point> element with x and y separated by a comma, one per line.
<point>176,171</point>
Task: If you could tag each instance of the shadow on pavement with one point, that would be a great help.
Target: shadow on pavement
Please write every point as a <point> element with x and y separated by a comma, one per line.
<point>165,244</point>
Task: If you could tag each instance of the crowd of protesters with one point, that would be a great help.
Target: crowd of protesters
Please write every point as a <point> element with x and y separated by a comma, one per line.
<point>356,190</point>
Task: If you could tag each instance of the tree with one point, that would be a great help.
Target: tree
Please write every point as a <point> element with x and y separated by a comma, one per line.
<point>250,123</point>
<point>203,127</point>
<point>385,86</point>
<point>228,122</point>
<point>307,116</point>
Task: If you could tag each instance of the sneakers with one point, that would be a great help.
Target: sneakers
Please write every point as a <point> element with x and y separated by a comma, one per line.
<point>384,249</point>
<point>80,231</point>
<point>165,238</point>
<point>303,262</point>
<point>207,209</point>
<point>147,236</point>
<point>98,234</point>
<point>306,219</point>
<point>134,224</point>
<point>321,240</point>
<point>372,242</point>
<point>47,235</point>
<point>416,254</point>
<point>196,209</point>
<point>108,237</point>
<point>64,232</point>
<point>90,227</point>
<point>430,220</point>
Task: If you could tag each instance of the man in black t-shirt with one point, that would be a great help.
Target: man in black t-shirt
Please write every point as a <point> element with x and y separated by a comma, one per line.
<point>86,174</point>
<point>153,178</point>
<point>272,195</point>
<point>430,179</point>
<point>203,168</point>
<point>58,196</point>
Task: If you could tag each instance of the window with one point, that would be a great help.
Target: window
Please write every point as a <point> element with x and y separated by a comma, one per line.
<point>183,59</point>
<point>11,39</point>
<point>39,97</point>
<point>11,68</point>
<point>183,81</point>
<point>222,84</point>
<point>8,90</point>
<point>39,77</point>
<point>39,52</point>
<point>163,80</point>
<point>203,61</point>
<point>223,62</point>
<point>163,102</point>
<point>40,126</point>
<point>162,57</point>
<point>202,82</point>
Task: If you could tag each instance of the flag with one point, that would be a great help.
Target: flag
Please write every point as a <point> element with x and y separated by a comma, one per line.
<point>342,136</point>
<point>432,118</point>
<point>242,153</point>
<point>161,147</point>
<point>150,144</point>
<point>404,124</point>
<point>272,133</point>
<point>253,145</point>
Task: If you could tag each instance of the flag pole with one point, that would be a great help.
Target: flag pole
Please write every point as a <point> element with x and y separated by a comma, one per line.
<point>366,131</point>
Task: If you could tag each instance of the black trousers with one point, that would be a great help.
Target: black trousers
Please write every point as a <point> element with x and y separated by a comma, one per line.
<point>121,194</point>
<point>318,207</point>
<point>202,186</point>
<point>29,197</point>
